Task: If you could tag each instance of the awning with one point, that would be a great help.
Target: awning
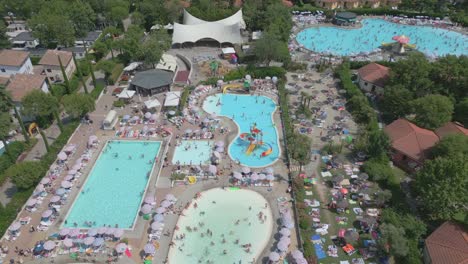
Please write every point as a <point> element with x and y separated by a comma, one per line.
<point>132,66</point>
<point>172,99</point>
<point>229,50</point>
<point>152,103</point>
<point>126,94</point>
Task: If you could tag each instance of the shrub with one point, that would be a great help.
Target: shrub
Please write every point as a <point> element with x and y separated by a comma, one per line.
<point>304,223</point>
<point>308,249</point>
<point>97,90</point>
<point>118,103</point>
<point>116,73</point>
<point>378,169</point>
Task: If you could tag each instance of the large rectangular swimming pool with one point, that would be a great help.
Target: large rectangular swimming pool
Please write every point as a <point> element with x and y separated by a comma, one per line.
<point>115,187</point>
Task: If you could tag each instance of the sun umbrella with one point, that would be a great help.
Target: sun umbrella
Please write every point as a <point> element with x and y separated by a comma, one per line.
<point>47,213</point>
<point>160,210</point>
<point>88,241</point>
<point>55,199</point>
<point>60,192</point>
<point>98,242</point>
<point>206,120</point>
<point>213,115</point>
<point>68,242</point>
<point>136,118</point>
<point>146,209</point>
<point>166,203</point>
<point>261,176</point>
<point>296,254</point>
<point>212,169</point>
<point>62,156</point>
<point>110,231</point>
<point>118,232</point>
<point>49,245</point>
<point>71,172</point>
<point>31,202</point>
<point>74,232</point>
<point>188,131</point>
<point>285,232</point>
<point>149,248</point>
<point>301,261</point>
<point>402,39</point>
<point>270,177</point>
<point>344,190</point>
<point>92,232</point>
<point>45,180</point>
<point>102,230</point>
<point>351,235</point>
<point>217,154</point>
<point>220,144</point>
<point>147,115</point>
<point>66,184</point>
<point>120,248</point>
<point>282,246</point>
<point>274,256</point>
<point>237,175</point>
<point>156,226</point>
<point>219,149</point>
<point>154,117</point>
<point>15,226</point>
<point>95,138</point>
<point>149,199</point>
<point>269,170</point>
<point>70,148</point>
<point>285,239</point>
<point>245,170</point>
<point>158,218</point>
<point>76,167</point>
<point>69,178</point>
<point>170,197</point>
<point>64,232</point>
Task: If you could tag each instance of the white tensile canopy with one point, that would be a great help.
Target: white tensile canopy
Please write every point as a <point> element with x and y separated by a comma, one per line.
<point>172,99</point>
<point>126,94</point>
<point>152,103</point>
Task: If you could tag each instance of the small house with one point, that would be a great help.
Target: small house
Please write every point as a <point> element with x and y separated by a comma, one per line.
<point>372,78</point>
<point>14,61</point>
<point>51,65</point>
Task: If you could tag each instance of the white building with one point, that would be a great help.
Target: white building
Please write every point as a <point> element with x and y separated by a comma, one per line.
<point>24,41</point>
<point>13,62</point>
<point>372,78</point>
<point>51,65</point>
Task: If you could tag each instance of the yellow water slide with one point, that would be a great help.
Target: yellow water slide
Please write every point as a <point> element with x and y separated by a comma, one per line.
<point>233,86</point>
<point>250,149</point>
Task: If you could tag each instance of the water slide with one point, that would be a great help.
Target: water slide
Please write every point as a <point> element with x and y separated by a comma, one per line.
<point>268,151</point>
<point>233,86</point>
<point>250,149</point>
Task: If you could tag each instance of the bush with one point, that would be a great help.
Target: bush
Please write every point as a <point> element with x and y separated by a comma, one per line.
<point>97,90</point>
<point>35,60</point>
<point>305,223</point>
<point>116,73</point>
<point>309,250</point>
<point>296,66</point>
<point>118,103</point>
<point>378,169</point>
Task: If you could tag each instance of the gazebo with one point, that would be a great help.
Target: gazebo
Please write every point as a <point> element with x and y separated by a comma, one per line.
<point>345,18</point>
<point>151,82</point>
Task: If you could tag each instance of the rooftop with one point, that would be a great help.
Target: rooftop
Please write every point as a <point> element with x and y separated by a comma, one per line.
<point>448,244</point>
<point>22,84</point>
<point>451,128</point>
<point>374,73</point>
<point>152,79</point>
<point>13,57</point>
<point>24,36</point>
<point>51,58</point>
<point>91,36</point>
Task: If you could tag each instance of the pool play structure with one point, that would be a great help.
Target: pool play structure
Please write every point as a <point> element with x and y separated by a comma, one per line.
<point>115,187</point>
<point>256,144</point>
<point>376,33</point>
<point>223,227</point>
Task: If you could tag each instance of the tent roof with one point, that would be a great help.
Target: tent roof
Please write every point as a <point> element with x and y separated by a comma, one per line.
<point>172,99</point>
<point>152,79</point>
<point>168,63</point>
<point>234,19</point>
<point>152,103</point>
<point>126,94</point>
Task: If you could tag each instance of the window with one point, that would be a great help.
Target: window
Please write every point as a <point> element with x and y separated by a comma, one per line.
<point>52,78</point>
<point>365,83</point>
<point>3,70</point>
<point>49,70</point>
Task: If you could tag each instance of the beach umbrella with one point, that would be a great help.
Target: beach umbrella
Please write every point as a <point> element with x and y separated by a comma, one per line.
<point>74,232</point>
<point>206,120</point>
<point>285,239</point>
<point>188,131</point>
<point>261,176</point>
<point>55,199</point>
<point>121,247</point>
<point>212,169</point>
<point>76,167</point>
<point>110,231</point>
<point>64,232</point>
<point>195,109</point>
<point>47,213</point>
<point>149,248</point>
<point>102,230</point>
<point>68,242</point>
<point>219,149</point>
<point>70,148</point>
<point>92,232</point>
<point>274,256</point>
<point>166,204</point>
<point>118,232</point>
<point>45,180</point>
<point>402,39</point>
<point>344,191</point>
<point>285,232</point>
<point>269,170</point>
<point>170,197</point>
<point>296,254</point>
<point>156,226</point>
<point>31,202</point>
<point>145,129</point>
<point>213,115</point>
<point>282,246</point>
<point>49,245</point>
<point>135,118</point>
<point>149,199</point>
<point>301,261</point>
<point>254,176</point>
<point>66,184</point>
<point>160,210</point>
<point>15,226</point>
<point>158,218</point>
<point>146,209</point>
<point>62,156</point>
<point>147,115</point>
<point>98,242</point>
<point>126,117</point>
<point>60,192</point>
<point>270,177</point>
<point>217,154</point>
<point>72,172</point>
<point>69,178</point>
<point>220,144</point>
<point>245,170</point>
<point>342,204</point>
<point>154,117</point>
<point>237,175</point>
<point>88,241</point>
<point>351,235</point>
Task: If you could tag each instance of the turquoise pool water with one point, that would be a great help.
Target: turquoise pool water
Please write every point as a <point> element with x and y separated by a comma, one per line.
<point>194,152</point>
<point>374,32</point>
<point>220,218</point>
<point>115,187</point>
<point>247,110</point>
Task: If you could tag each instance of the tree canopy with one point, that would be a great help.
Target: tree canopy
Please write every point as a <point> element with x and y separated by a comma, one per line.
<point>78,105</point>
<point>271,48</point>
<point>432,111</point>
<point>25,174</point>
<point>451,145</point>
<point>154,46</point>
<point>38,103</point>
<point>393,240</point>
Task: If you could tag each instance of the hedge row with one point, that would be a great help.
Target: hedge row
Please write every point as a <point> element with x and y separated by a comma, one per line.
<point>116,73</point>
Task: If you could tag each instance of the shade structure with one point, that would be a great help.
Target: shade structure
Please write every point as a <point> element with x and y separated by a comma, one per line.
<point>146,209</point>
<point>49,245</point>
<point>31,202</point>
<point>254,176</point>
<point>245,170</point>
<point>149,199</point>
<point>274,256</point>
<point>92,232</point>
<point>285,232</point>
<point>62,156</point>
<point>156,226</point>
<point>270,177</point>
<point>237,175</point>
<point>285,239</point>
<point>296,254</point>
<point>110,231</point>
<point>166,203</point>
<point>70,148</point>
<point>118,232</point>
<point>344,191</point>
<point>55,199</point>
<point>74,232</point>
<point>170,197</point>
<point>149,248</point>
<point>64,232</point>
<point>88,240</point>
<point>121,247</point>
<point>47,213</point>
<point>158,218</point>
<point>68,242</point>
<point>76,167</point>
<point>102,230</point>
<point>282,246</point>
<point>160,210</point>
<point>15,226</point>
<point>66,184</point>
<point>60,192</point>
<point>69,178</point>
<point>45,180</point>
<point>72,172</point>
<point>98,242</point>
<point>220,144</point>
<point>147,115</point>
<point>217,154</point>
<point>212,169</point>
<point>269,170</point>
<point>219,149</point>
<point>261,176</point>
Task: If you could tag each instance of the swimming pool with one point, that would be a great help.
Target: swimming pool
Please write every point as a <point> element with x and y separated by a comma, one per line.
<point>374,32</point>
<point>220,218</point>
<point>247,111</point>
<point>113,191</point>
<point>193,152</point>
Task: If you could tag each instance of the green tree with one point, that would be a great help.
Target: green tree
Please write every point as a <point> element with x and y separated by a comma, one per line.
<point>25,174</point>
<point>138,19</point>
<point>270,48</point>
<point>4,42</point>
<point>396,102</point>
<point>82,17</point>
<point>300,150</point>
<point>131,43</point>
<point>5,128</point>
<point>153,48</point>
<point>449,76</point>
<point>442,185</point>
<point>361,110</point>
<point>382,197</point>
<point>106,66</point>
<point>414,228</point>
<point>278,21</point>
<point>378,144</point>
<point>64,75</point>
<point>80,74</point>
<point>413,74</point>
<point>392,240</point>
<point>37,103</point>
<point>451,145</point>
<point>78,105</point>
<point>93,77</point>
<point>50,27</point>
<point>6,104</point>
<point>378,169</point>
<point>432,111</point>
<point>461,110</point>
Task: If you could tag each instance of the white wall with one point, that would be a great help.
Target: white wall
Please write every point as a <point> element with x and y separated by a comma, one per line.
<point>26,68</point>
<point>368,87</point>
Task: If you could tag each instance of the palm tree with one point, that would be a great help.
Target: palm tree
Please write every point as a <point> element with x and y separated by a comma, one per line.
<point>6,98</point>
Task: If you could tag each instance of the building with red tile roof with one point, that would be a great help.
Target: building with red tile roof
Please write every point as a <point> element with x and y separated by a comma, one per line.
<point>51,65</point>
<point>14,61</point>
<point>448,244</point>
<point>372,78</point>
<point>451,128</point>
<point>21,84</point>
